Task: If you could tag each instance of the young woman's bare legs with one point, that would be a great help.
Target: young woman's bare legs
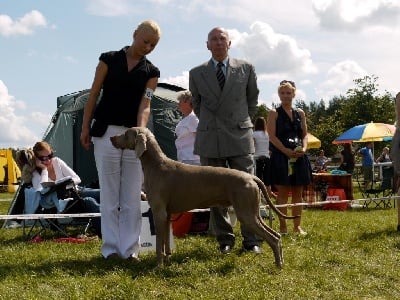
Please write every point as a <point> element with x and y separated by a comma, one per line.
<point>283,194</point>
<point>297,197</point>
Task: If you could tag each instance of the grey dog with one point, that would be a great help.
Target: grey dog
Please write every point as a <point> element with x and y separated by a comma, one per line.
<point>199,187</point>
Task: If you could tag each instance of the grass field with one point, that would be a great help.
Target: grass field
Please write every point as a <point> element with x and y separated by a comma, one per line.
<point>353,254</point>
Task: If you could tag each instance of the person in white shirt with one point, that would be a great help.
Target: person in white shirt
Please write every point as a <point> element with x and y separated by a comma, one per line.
<point>261,154</point>
<point>49,169</point>
<point>185,131</point>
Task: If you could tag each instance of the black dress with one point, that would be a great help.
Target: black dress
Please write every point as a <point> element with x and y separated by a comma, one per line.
<point>290,134</point>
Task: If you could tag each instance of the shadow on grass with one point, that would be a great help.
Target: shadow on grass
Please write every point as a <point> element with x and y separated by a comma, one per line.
<point>379,234</point>
<point>182,263</point>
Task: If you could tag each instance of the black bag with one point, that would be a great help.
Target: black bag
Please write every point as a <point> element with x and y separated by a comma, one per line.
<point>68,190</point>
<point>98,128</point>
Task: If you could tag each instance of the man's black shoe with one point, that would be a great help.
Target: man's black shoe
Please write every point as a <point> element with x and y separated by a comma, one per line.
<point>225,249</point>
<point>255,249</point>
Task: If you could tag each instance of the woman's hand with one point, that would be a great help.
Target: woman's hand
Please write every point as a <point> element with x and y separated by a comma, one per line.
<point>298,151</point>
<point>40,164</point>
<point>85,138</point>
<point>294,153</point>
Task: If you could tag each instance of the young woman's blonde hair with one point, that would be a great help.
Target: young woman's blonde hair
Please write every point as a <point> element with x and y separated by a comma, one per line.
<point>287,83</point>
<point>150,25</point>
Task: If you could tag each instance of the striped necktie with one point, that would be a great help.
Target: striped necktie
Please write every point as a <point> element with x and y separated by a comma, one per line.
<point>220,75</point>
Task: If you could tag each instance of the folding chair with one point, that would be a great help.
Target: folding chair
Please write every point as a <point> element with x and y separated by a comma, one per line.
<point>383,192</point>
<point>59,199</point>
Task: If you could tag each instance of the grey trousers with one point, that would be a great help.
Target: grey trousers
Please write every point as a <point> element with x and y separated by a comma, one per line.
<point>219,217</point>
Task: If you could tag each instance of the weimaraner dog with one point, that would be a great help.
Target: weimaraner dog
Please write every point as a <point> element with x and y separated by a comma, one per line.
<point>199,187</point>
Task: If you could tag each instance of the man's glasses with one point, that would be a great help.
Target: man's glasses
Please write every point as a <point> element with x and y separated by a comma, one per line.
<point>45,158</point>
<point>288,81</point>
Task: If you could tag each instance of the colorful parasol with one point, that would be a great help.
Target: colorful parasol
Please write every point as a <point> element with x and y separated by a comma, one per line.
<point>369,132</point>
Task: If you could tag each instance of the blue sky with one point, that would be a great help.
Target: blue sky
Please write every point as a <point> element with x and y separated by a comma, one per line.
<point>50,48</point>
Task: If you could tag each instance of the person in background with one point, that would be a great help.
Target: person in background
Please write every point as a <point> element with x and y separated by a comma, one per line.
<point>395,153</point>
<point>320,162</point>
<point>50,168</point>
<point>287,129</point>
<point>367,162</point>
<point>225,97</point>
<point>385,156</point>
<point>185,131</point>
<point>347,159</point>
<point>128,80</point>
<point>261,154</point>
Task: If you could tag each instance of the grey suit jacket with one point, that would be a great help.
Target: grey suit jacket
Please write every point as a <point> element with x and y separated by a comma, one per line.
<point>225,127</point>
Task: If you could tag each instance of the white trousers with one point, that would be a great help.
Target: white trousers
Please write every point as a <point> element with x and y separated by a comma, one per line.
<point>120,178</point>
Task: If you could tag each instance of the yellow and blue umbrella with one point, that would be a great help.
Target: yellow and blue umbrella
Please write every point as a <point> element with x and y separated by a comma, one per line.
<point>369,132</point>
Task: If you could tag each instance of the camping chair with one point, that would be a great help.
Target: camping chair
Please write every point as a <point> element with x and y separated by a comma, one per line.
<point>62,198</point>
<point>383,192</point>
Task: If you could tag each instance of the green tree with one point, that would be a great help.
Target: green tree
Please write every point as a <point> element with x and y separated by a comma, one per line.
<point>364,105</point>
<point>262,111</point>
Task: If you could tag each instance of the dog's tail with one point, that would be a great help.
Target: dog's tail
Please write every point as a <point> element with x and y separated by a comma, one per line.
<point>263,189</point>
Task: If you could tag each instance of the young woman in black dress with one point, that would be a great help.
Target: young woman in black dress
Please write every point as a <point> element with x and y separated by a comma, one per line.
<point>290,167</point>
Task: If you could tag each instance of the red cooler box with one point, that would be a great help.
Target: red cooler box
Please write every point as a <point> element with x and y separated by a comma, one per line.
<point>181,223</point>
<point>336,195</point>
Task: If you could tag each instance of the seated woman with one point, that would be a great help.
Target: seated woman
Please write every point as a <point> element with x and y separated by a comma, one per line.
<point>320,162</point>
<point>385,156</point>
<point>49,169</point>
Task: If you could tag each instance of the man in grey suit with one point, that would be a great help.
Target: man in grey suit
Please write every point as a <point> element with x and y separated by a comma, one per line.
<point>224,102</point>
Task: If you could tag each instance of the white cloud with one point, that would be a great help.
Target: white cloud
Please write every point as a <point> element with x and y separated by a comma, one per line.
<point>356,14</point>
<point>283,13</point>
<point>339,79</point>
<point>40,119</point>
<point>181,80</point>
<point>15,127</point>
<point>272,52</point>
<point>108,8</point>
<point>25,25</point>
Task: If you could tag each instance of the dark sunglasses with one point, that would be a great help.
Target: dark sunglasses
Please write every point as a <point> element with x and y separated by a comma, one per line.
<point>288,81</point>
<point>45,158</point>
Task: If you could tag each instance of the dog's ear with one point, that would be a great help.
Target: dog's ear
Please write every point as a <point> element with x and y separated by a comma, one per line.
<point>24,157</point>
<point>20,158</point>
<point>26,162</point>
<point>140,142</point>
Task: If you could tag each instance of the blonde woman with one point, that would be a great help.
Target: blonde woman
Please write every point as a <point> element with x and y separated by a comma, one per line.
<point>49,168</point>
<point>128,80</point>
<point>291,169</point>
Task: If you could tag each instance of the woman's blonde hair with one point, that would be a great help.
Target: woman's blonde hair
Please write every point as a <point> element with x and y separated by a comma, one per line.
<point>287,83</point>
<point>150,25</point>
<point>40,146</point>
<point>185,96</point>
